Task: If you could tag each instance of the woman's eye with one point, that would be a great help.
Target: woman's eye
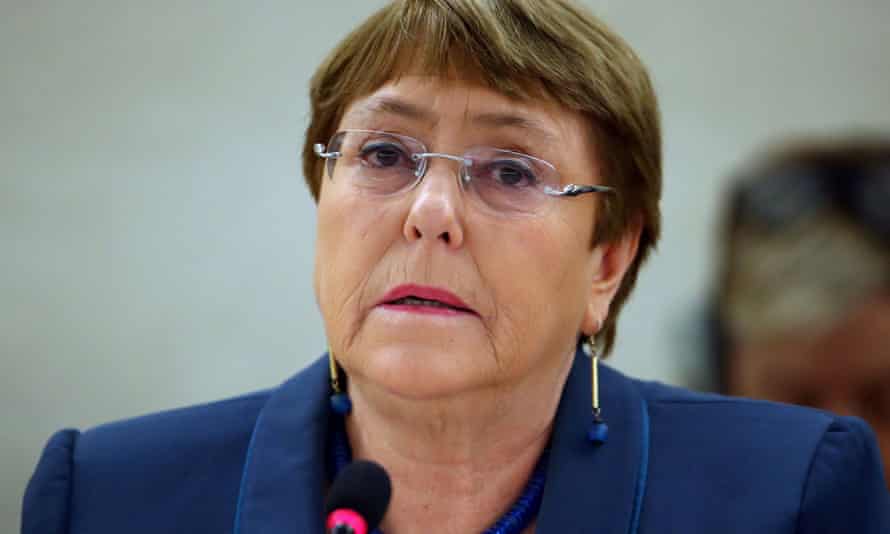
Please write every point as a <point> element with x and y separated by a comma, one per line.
<point>512,174</point>
<point>383,154</point>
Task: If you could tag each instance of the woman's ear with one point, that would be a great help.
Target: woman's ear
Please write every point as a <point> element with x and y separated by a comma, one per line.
<point>610,261</point>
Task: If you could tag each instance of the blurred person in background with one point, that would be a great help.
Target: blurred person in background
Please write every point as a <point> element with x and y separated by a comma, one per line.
<point>802,313</point>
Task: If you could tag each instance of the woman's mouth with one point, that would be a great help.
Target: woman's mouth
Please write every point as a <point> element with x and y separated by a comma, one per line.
<point>424,299</point>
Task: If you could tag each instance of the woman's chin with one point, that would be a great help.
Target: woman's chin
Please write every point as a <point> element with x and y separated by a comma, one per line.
<point>423,372</point>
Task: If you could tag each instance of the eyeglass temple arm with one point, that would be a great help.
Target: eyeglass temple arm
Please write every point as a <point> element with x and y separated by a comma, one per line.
<point>319,151</point>
<point>573,190</point>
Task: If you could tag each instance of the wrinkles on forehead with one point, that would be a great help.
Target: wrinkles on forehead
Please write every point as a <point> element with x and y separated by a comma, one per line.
<point>424,111</point>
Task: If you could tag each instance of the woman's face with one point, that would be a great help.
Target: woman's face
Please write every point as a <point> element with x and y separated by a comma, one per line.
<point>512,292</point>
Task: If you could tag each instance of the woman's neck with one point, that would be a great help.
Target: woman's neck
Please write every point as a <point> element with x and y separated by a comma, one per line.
<point>457,463</point>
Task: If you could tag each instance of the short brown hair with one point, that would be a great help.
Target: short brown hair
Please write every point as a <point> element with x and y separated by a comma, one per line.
<point>519,48</point>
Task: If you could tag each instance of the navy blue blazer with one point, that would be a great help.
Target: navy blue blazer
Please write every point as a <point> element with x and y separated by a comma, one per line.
<point>675,462</point>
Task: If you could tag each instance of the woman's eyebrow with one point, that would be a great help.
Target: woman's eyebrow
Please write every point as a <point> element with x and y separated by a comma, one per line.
<point>510,120</point>
<point>396,106</point>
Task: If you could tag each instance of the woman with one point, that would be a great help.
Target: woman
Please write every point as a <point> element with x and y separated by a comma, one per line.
<point>487,177</point>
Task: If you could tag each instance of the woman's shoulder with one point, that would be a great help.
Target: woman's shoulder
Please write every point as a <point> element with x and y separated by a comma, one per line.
<point>177,470</point>
<point>678,402</point>
<point>760,431</point>
<point>204,423</point>
<point>168,436</point>
<point>747,422</point>
<point>801,468</point>
<point>109,474</point>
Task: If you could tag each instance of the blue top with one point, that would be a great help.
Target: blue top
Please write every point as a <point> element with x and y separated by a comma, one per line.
<point>676,461</point>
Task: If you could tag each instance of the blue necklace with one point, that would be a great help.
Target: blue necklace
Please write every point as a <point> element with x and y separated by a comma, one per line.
<point>513,522</point>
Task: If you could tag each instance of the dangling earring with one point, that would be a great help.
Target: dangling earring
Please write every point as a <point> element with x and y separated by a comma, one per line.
<point>599,430</point>
<point>340,402</point>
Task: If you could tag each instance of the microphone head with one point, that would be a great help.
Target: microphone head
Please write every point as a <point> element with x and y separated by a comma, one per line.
<point>362,487</point>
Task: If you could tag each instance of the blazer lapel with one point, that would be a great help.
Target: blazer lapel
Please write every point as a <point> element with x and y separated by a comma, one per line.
<point>283,481</point>
<point>596,489</point>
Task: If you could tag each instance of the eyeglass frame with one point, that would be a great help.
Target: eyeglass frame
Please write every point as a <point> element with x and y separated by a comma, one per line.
<point>568,190</point>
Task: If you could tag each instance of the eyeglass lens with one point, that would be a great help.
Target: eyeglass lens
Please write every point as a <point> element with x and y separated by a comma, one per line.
<point>380,163</point>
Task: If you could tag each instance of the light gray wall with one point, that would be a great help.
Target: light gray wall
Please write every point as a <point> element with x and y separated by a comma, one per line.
<point>157,238</point>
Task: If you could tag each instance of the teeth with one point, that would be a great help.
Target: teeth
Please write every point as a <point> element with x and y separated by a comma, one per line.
<point>415,301</point>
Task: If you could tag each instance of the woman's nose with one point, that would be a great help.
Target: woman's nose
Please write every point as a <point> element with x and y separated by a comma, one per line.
<point>436,206</point>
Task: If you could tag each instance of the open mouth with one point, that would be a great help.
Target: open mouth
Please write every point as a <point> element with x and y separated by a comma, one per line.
<point>429,299</point>
<point>418,301</point>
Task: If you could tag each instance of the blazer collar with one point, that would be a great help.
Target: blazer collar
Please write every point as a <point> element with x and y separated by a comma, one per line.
<point>589,488</point>
<point>284,472</point>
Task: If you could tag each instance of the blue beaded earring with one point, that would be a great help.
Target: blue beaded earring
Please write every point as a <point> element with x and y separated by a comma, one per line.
<point>599,430</point>
<point>340,402</point>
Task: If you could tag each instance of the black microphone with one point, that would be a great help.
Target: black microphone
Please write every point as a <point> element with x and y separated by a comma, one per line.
<point>358,499</point>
